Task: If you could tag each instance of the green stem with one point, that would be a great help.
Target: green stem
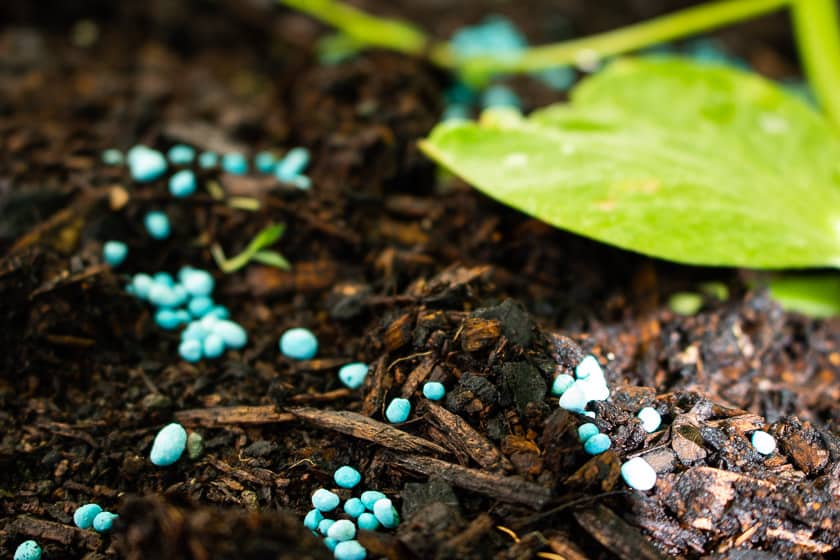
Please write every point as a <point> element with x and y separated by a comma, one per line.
<point>690,21</point>
<point>818,38</point>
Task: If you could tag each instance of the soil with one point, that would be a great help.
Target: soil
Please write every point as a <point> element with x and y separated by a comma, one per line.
<point>394,265</point>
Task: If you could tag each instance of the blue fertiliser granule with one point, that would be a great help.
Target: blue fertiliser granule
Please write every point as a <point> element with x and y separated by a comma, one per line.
<point>352,375</point>
<point>181,154</point>
<point>182,183</point>
<point>28,550</point>
<point>398,411</point>
<point>324,500</point>
<point>114,253</point>
<point>169,445</point>
<point>157,225</point>
<point>434,390</point>
<point>299,344</point>
<point>84,515</point>
<point>347,477</point>
<point>638,474</point>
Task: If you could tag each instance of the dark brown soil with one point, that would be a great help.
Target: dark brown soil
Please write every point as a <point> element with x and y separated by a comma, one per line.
<point>394,265</point>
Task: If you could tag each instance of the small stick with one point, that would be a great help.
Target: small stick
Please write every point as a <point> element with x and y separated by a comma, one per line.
<point>362,427</point>
<point>508,489</point>
<point>224,415</point>
<point>52,531</point>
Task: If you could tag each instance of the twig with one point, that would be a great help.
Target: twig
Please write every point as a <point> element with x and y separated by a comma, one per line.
<point>464,436</point>
<point>225,415</point>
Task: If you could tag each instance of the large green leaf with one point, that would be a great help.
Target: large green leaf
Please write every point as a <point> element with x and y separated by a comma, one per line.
<point>689,162</point>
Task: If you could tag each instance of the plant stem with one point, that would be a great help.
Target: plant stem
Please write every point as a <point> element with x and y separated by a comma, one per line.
<point>690,21</point>
<point>818,38</point>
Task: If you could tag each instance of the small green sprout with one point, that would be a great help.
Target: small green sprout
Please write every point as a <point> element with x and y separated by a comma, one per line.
<point>255,251</point>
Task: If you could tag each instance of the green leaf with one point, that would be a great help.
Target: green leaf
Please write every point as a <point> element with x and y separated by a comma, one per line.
<point>814,296</point>
<point>265,238</point>
<point>272,258</point>
<point>688,162</point>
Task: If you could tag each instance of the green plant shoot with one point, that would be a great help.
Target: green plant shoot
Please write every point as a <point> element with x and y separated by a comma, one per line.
<point>255,251</point>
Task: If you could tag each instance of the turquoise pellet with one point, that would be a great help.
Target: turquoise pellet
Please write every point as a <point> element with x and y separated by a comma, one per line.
<point>164,278</point>
<point>292,164</point>
<point>574,398</point>
<point>456,112</point>
<point>114,253</point>
<point>763,442</point>
<point>594,388</point>
<point>112,156</point>
<point>638,474</point>
<point>191,350</point>
<point>219,312</point>
<point>84,515</point>
<point>265,162</point>
<point>157,225</point>
<point>195,331</point>
<point>301,182</point>
<point>208,160</point>
<point>199,306</point>
<point>28,550</point>
<point>103,522</point>
<point>324,526</point>
<point>182,183</point>
<point>181,154</point>
<point>342,530</point>
<point>313,519</point>
<point>213,346</point>
<point>142,283</point>
<point>368,522</point>
<point>370,497</point>
<point>324,500</point>
<point>347,477</point>
<point>233,335</point>
<point>198,282</point>
<point>169,445</point>
<point>386,513</point>
<point>561,383</point>
<point>398,411</point>
<point>353,375</point>
<point>146,164</point>
<point>168,319</point>
<point>434,390</point>
<point>299,344</point>
<point>350,550</point>
<point>650,418</point>
<point>597,444</point>
<point>235,163</point>
<point>354,507</point>
<point>586,431</point>
<point>500,96</point>
<point>587,367</point>
<point>330,543</point>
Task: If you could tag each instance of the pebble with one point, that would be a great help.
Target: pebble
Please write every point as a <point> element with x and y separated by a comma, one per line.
<point>386,513</point>
<point>651,419</point>
<point>434,390</point>
<point>157,225</point>
<point>324,526</point>
<point>84,515</point>
<point>169,444</point>
<point>638,474</point>
<point>763,442</point>
<point>292,164</point>
<point>574,398</point>
<point>265,162</point>
<point>146,164</point>
<point>354,507</point>
<point>208,160</point>
<point>347,477</point>
<point>235,163</point>
<point>233,335</point>
<point>352,375</point>
<point>561,383</point>
<point>398,411</point>
<point>198,282</point>
<point>370,497</point>
<point>191,350</point>
<point>182,183</point>
<point>103,522</point>
<point>114,252</point>
<point>587,367</point>
<point>299,344</point>
<point>28,550</point>
<point>586,431</point>
<point>112,156</point>
<point>325,500</point>
<point>350,550</point>
<point>213,346</point>
<point>195,445</point>
<point>342,530</point>
<point>368,522</point>
<point>313,519</point>
<point>597,444</point>
<point>181,154</point>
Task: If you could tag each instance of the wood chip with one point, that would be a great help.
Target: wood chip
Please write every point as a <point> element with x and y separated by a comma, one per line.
<point>362,427</point>
<point>41,530</point>
<point>226,415</point>
<point>616,535</point>
<point>508,489</point>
